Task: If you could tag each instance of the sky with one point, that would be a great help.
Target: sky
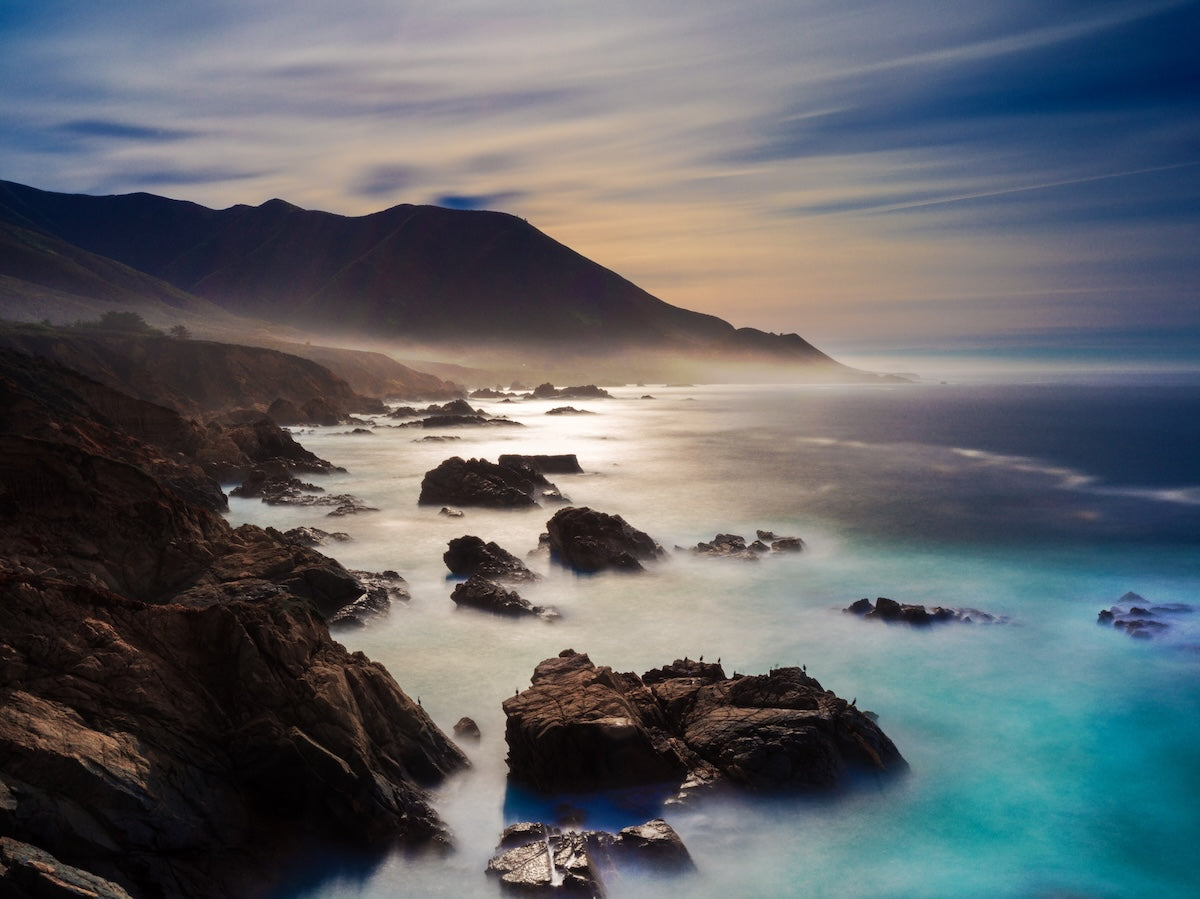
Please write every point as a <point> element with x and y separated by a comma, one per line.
<point>899,177</point>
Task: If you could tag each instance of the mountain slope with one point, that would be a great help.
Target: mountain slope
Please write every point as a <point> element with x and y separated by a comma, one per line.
<point>409,272</point>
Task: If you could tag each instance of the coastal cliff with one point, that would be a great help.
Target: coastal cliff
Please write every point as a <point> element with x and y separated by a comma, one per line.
<point>174,717</point>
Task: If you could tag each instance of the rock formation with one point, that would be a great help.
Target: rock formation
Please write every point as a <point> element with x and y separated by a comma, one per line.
<point>174,717</point>
<point>478,482</point>
<point>1141,619</point>
<point>534,858</point>
<point>488,596</point>
<point>579,728</point>
<point>469,555</point>
<point>562,463</point>
<point>889,610</point>
<point>590,541</point>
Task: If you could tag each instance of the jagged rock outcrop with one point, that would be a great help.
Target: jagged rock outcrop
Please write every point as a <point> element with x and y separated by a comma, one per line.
<point>238,444</point>
<point>174,751</point>
<point>590,541</point>
<point>532,858</point>
<point>478,482</point>
<point>891,611</point>
<point>173,714</point>
<point>580,727</point>
<point>469,555</point>
<point>479,593</point>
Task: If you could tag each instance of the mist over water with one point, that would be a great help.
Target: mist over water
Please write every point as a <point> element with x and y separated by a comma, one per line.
<point>1050,756</point>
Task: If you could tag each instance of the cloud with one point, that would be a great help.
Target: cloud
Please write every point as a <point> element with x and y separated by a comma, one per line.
<point>493,201</point>
<point>385,180</point>
<point>122,131</point>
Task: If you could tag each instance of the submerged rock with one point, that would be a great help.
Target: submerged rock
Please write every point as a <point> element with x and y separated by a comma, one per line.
<point>579,728</point>
<point>590,541</point>
<point>466,727</point>
<point>1142,619</point>
<point>889,610</point>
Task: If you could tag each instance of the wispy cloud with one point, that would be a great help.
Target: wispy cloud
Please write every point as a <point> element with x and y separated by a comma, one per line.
<point>833,167</point>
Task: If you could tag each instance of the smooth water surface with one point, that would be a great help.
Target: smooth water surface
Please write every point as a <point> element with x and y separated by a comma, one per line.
<point>1050,756</point>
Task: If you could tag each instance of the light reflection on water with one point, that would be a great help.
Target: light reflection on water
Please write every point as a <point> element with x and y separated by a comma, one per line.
<point>1043,751</point>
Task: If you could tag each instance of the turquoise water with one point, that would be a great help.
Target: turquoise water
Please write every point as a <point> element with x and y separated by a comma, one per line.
<point>1050,756</point>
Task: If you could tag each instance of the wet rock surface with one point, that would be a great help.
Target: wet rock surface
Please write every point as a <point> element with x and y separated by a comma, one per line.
<point>469,555</point>
<point>580,727</point>
<point>889,610</point>
<point>288,491</point>
<point>533,858</point>
<point>589,541</point>
<point>478,482</point>
<point>734,546</point>
<point>379,590</point>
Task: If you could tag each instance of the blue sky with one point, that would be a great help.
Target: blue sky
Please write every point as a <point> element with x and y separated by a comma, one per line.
<point>879,177</point>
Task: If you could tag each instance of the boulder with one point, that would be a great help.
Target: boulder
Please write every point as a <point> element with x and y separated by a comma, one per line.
<point>534,858</point>
<point>579,728</point>
<point>590,541</point>
<point>478,482</point>
<point>568,410</point>
<point>469,555</point>
<point>587,391</point>
<point>379,590</point>
<point>479,593</point>
<point>466,727</point>
<point>561,463</point>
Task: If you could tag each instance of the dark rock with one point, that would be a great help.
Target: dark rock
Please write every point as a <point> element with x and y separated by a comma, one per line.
<point>580,728</point>
<point>306,536</point>
<point>437,438</point>
<point>729,545</point>
<point>26,871</point>
<point>787,544</point>
<point>451,513</point>
<point>469,555</point>
<point>479,593</point>
<point>379,590</point>
<point>466,727</point>
<point>477,482</point>
<point>461,421</point>
<point>568,410</point>
<point>534,858</point>
<point>184,752</point>
<point>235,447</point>
<point>590,541</point>
<point>588,391</point>
<point>767,536</point>
<point>889,610</point>
<point>285,491</point>
<point>563,463</point>
<point>314,411</point>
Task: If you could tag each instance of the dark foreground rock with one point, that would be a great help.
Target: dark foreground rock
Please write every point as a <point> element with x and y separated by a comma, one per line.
<point>379,590</point>
<point>174,717</point>
<point>579,728</point>
<point>177,751</point>
<point>488,596</point>
<point>534,858</point>
<point>469,555</point>
<point>889,610</point>
<point>1143,620</point>
<point>478,482</point>
<point>288,491</point>
<point>590,541</point>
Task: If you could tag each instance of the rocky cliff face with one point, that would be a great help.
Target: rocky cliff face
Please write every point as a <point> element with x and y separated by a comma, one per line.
<point>173,714</point>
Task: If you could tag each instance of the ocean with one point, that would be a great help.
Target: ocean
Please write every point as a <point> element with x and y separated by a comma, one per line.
<point>1050,755</point>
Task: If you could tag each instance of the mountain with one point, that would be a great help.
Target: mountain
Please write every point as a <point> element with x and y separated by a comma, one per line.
<point>409,273</point>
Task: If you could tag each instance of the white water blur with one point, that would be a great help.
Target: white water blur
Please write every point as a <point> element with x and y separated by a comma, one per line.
<point>1043,751</point>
